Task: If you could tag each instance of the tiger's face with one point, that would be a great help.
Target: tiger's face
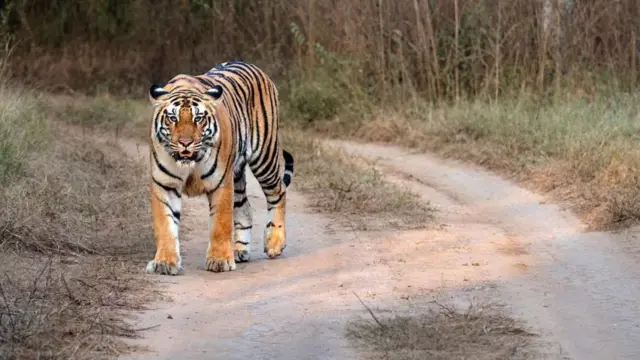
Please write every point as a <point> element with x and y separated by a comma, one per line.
<point>184,121</point>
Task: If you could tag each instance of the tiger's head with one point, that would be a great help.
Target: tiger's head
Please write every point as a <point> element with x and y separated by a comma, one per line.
<point>184,120</point>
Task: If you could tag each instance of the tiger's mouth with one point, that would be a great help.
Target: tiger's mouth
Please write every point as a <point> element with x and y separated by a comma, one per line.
<point>185,156</point>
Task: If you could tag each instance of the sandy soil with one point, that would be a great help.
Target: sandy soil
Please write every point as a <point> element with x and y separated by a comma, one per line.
<point>491,241</point>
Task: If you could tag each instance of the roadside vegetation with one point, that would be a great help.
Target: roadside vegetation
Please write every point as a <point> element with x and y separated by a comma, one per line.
<point>439,332</point>
<point>73,229</point>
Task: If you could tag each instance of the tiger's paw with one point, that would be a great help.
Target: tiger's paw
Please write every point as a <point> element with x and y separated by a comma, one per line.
<point>242,245</point>
<point>220,265</point>
<point>241,255</point>
<point>163,267</point>
<point>274,240</point>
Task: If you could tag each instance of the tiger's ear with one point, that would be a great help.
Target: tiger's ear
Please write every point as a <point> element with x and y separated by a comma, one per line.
<point>156,92</point>
<point>215,92</point>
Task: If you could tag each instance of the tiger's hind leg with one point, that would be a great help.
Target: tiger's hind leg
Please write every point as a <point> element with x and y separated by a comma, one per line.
<point>274,181</point>
<point>274,232</point>
<point>242,222</point>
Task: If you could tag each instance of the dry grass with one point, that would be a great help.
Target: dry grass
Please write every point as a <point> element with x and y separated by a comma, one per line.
<point>80,197</point>
<point>341,186</point>
<point>481,332</point>
<point>74,231</point>
<point>579,151</point>
<point>121,117</point>
<point>63,308</point>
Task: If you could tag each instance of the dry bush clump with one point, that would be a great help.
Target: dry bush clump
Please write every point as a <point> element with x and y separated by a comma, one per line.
<point>340,185</point>
<point>481,332</point>
<point>82,197</point>
<point>63,308</point>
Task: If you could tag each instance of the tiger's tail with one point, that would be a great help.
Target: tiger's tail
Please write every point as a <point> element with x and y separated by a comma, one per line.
<point>288,168</point>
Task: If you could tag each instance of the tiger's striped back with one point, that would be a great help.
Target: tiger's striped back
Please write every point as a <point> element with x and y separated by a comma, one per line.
<point>251,97</point>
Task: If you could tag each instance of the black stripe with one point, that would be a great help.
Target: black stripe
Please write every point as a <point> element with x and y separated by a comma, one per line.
<point>237,204</point>
<point>241,71</point>
<point>277,200</point>
<point>174,213</point>
<point>167,188</point>
<point>242,242</point>
<point>265,162</point>
<point>205,82</point>
<point>241,227</point>
<point>266,187</point>
<point>209,193</point>
<point>162,168</point>
<point>274,170</point>
<point>234,84</point>
<point>213,167</point>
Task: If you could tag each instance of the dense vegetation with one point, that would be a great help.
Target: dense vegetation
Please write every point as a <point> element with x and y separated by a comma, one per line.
<point>436,49</point>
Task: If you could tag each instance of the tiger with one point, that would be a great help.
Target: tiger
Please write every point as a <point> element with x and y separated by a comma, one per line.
<point>206,130</point>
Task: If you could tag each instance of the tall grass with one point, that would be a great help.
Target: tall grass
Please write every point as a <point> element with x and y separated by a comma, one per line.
<point>23,131</point>
<point>437,49</point>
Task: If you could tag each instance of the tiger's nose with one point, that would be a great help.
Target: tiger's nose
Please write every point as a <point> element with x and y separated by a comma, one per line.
<point>185,142</point>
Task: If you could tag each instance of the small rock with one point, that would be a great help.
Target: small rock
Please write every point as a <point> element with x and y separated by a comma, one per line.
<point>169,316</point>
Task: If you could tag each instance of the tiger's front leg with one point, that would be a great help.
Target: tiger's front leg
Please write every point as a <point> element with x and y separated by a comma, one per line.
<point>220,252</point>
<point>165,210</point>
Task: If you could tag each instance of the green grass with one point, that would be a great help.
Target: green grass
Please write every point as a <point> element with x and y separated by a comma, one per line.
<point>23,131</point>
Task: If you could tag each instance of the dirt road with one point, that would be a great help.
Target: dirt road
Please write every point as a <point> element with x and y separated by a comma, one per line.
<point>491,240</point>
